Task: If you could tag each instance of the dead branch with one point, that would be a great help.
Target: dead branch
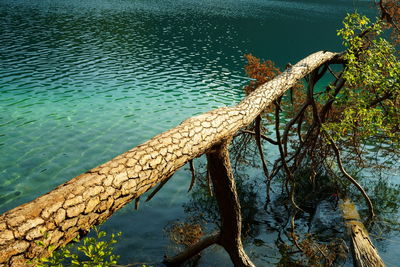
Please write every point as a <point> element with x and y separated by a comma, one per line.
<point>348,176</point>
<point>290,124</point>
<point>137,202</point>
<point>288,172</point>
<point>158,188</point>
<point>259,145</point>
<point>208,181</point>
<point>192,170</point>
<point>266,138</point>
<point>192,250</point>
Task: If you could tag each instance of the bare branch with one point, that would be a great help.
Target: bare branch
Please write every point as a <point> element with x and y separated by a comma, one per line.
<point>290,124</point>
<point>348,176</point>
<point>259,145</point>
<point>192,170</point>
<point>192,250</point>
<point>266,138</point>
<point>289,174</point>
<point>137,202</point>
<point>155,191</point>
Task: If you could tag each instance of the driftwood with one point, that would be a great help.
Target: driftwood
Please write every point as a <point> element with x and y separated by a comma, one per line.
<point>364,252</point>
<point>90,198</point>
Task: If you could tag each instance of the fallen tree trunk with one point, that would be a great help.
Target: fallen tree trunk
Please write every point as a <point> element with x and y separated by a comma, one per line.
<point>90,198</point>
<point>364,252</point>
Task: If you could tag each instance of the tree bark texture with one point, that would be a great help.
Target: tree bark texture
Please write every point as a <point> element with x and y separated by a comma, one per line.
<point>90,198</point>
<point>224,185</point>
<point>364,252</point>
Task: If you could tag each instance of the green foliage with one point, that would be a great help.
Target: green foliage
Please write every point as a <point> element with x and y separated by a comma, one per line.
<point>94,251</point>
<point>370,102</point>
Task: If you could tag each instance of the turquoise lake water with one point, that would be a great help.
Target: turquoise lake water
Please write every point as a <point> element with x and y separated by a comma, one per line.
<point>83,81</point>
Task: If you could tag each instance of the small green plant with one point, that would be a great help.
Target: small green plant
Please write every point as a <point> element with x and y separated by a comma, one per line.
<point>94,251</point>
<point>370,103</point>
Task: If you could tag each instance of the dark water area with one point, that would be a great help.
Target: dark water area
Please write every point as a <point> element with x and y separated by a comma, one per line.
<point>83,81</point>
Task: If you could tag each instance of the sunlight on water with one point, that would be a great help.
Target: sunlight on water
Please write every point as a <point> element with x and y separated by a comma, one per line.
<point>83,81</point>
<point>82,89</point>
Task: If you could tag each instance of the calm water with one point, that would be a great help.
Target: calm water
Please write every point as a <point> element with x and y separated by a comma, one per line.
<point>83,81</point>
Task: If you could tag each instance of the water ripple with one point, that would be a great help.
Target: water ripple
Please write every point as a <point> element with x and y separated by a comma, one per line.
<point>82,81</point>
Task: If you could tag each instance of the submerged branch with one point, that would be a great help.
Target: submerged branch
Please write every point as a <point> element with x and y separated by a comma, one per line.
<point>266,138</point>
<point>192,250</point>
<point>290,124</point>
<point>288,172</point>
<point>158,188</point>
<point>137,203</point>
<point>192,170</point>
<point>259,145</point>
<point>208,181</point>
<point>349,177</point>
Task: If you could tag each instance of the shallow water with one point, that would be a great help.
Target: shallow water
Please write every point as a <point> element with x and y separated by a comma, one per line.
<point>83,81</point>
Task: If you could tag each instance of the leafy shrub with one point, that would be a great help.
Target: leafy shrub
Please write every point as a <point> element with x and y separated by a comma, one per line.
<point>94,251</point>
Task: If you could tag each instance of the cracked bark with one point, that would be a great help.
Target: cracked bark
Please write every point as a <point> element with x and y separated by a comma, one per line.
<point>90,198</point>
<point>364,252</point>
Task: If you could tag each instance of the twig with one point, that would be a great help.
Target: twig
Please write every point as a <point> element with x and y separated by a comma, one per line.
<point>339,162</point>
<point>259,145</point>
<point>208,179</point>
<point>299,124</point>
<point>294,236</point>
<point>321,73</point>
<point>192,170</point>
<point>333,73</point>
<point>386,16</point>
<point>284,163</point>
<point>339,83</point>
<point>349,177</point>
<point>266,138</point>
<point>137,202</point>
<point>290,124</point>
<point>192,250</point>
<point>158,188</point>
